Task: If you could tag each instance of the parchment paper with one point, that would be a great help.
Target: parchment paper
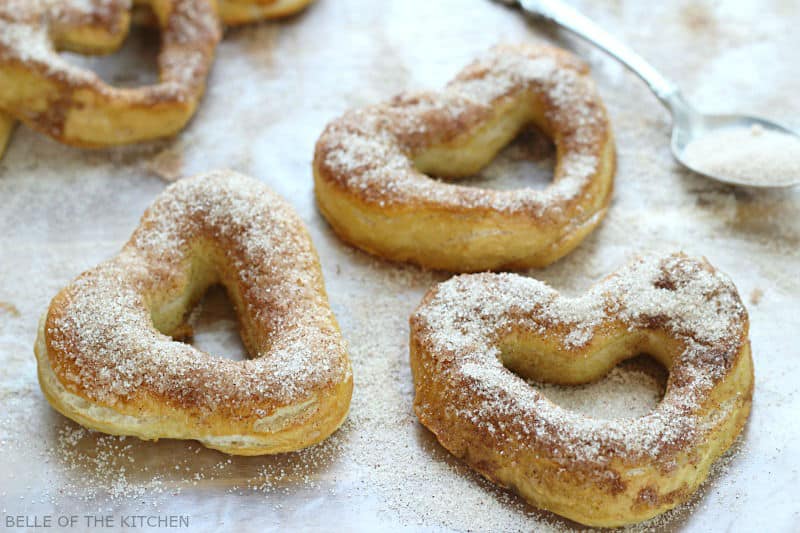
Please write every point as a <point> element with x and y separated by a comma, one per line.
<point>273,88</point>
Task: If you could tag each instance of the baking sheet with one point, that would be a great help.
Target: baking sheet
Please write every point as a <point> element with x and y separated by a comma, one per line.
<point>273,88</point>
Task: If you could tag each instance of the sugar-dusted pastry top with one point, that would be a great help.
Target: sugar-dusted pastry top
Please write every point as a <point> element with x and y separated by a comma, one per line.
<point>370,151</point>
<point>462,322</point>
<point>100,332</point>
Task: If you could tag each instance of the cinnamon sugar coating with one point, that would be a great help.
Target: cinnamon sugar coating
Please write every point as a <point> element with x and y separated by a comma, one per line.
<point>474,338</point>
<point>106,337</point>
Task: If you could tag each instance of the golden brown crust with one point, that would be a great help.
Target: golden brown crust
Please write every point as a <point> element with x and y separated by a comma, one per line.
<point>75,106</point>
<point>106,360</point>
<point>474,338</point>
<point>235,12</point>
<point>370,166</point>
<point>6,127</point>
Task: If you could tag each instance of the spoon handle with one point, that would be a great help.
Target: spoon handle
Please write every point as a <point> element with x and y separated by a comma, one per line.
<point>570,19</point>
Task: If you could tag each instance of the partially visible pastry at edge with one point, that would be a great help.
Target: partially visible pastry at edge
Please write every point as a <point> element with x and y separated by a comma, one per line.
<point>238,12</point>
<point>106,358</point>
<point>475,339</point>
<point>234,12</point>
<point>372,166</point>
<point>73,105</point>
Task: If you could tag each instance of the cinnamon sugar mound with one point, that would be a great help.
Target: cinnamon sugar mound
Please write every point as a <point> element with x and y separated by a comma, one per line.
<point>750,155</point>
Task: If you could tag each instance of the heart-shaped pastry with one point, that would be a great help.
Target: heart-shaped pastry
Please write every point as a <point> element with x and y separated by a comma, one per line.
<point>476,338</point>
<point>73,105</point>
<point>373,166</point>
<point>105,353</point>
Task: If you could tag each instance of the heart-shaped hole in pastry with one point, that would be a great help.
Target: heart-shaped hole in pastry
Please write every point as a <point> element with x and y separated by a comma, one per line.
<point>213,326</point>
<point>527,162</point>
<point>632,389</point>
<point>133,64</point>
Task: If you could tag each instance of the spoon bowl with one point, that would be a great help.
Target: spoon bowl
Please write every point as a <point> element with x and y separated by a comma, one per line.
<point>688,124</point>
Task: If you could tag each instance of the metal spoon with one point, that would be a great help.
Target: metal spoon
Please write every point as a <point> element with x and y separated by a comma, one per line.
<point>688,123</point>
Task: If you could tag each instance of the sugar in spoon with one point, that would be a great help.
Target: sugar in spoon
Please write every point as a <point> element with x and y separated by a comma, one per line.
<point>735,149</point>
